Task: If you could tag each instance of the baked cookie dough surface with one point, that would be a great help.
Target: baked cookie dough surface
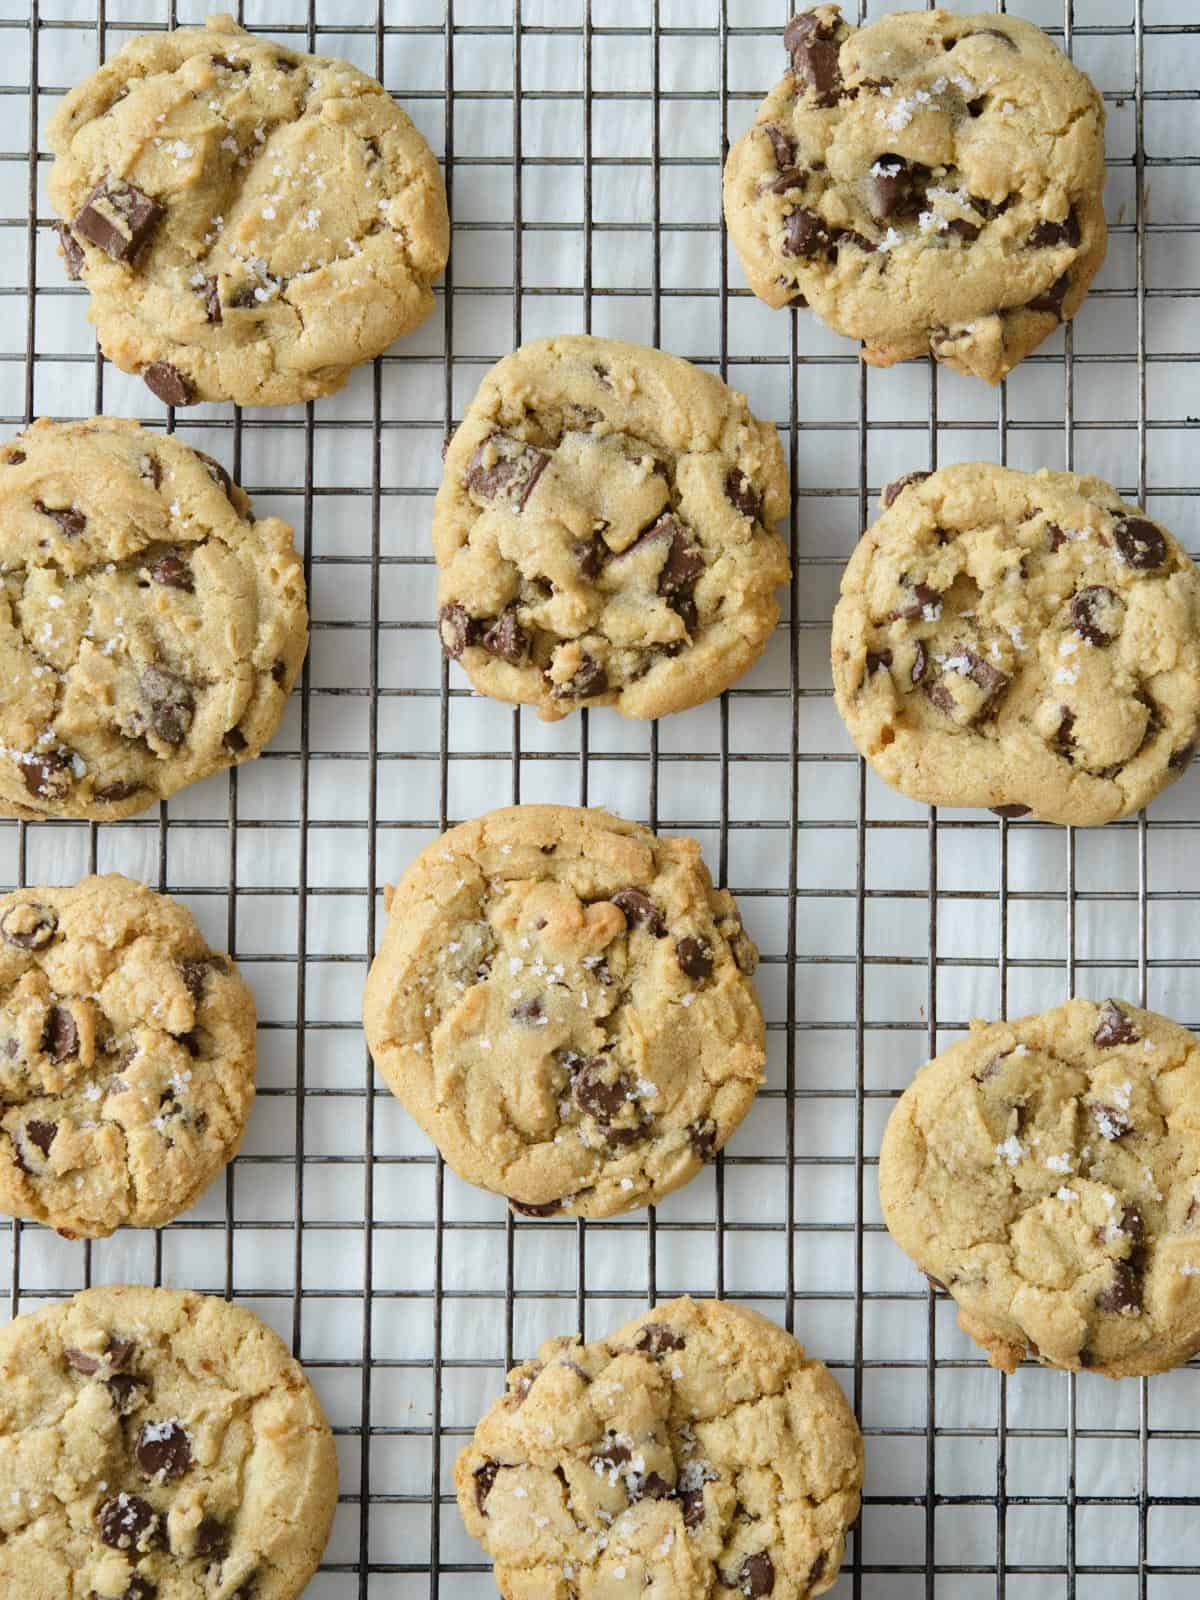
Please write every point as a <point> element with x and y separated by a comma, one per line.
<point>251,222</point>
<point>127,1051</point>
<point>1047,1173</point>
<point>150,628</point>
<point>695,1452</point>
<point>1024,641</point>
<point>158,1445</point>
<point>562,1001</point>
<point>932,183</point>
<point>604,531</point>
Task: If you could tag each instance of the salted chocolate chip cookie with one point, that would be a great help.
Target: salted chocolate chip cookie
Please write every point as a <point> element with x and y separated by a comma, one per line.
<point>562,1001</point>
<point>694,1452</point>
<point>1024,641</point>
<point>158,1445</point>
<point>150,628</point>
<point>1046,1172</point>
<point>126,1057</point>
<point>251,222</point>
<point>604,531</point>
<point>932,183</point>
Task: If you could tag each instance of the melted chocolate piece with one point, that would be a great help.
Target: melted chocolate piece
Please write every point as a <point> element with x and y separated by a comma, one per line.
<point>757,1575</point>
<point>878,660</point>
<point>703,1138</point>
<point>171,704</point>
<point>457,629</point>
<point>962,229</point>
<point>811,42</point>
<point>506,638</point>
<point>118,218</point>
<point>1114,1027</point>
<point>640,911</point>
<point>612,1454</point>
<point>591,555</point>
<point>990,679</point>
<point>548,1209</point>
<point>1051,299</point>
<point>114,792</point>
<point>210,294</point>
<point>656,1338</point>
<point>217,473</point>
<point>234,740</point>
<point>892,491</point>
<point>1124,1292</point>
<point>741,493</point>
<point>511,477</point>
<point>41,1134</point>
<point>163,1450</point>
<point>212,1539</point>
<point>590,679</point>
<point>61,1038</point>
<point>1091,608</point>
<point>694,957</point>
<point>914,609</point>
<point>1010,811</point>
<point>127,1522</point>
<point>691,1504</point>
<point>783,145</point>
<point>599,1099</point>
<point>1141,544</point>
<point>28,925</point>
<point>805,234</point>
<point>171,386</point>
<point>71,521</point>
<point>1049,235</point>
<point>485,1477</point>
<point>528,1011</point>
<point>1111,1123</point>
<point>172,572</point>
<point>920,662</point>
<point>48,775</point>
<point>894,194</point>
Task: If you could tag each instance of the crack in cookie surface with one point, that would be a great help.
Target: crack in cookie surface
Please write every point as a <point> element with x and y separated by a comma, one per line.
<point>562,1001</point>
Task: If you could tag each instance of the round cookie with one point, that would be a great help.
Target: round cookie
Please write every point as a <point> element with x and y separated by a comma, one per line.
<point>1024,641</point>
<point>150,628</point>
<point>695,1451</point>
<point>157,1444</point>
<point>127,1052</point>
<point>1047,1173</point>
<point>562,1002</point>
<point>604,531</point>
<point>931,184</point>
<point>251,222</point>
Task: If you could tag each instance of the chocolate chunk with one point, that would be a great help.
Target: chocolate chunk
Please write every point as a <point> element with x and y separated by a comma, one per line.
<point>1141,544</point>
<point>1064,738</point>
<point>71,521</point>
<point>1051,299</point>
<point>528,1011</point>
<point>1048,235</point>
<point>640,911</point>
<point>694,957</point>
<point>511,476</point>
<point>990,679</point>
<point>656,1338</point>
<point>1010,811</point>
<point>169,384</point>
<point>172,572</point>
<point>1133,1226</point>
<point>114,792</point>
<point>163,1450</point>
<point>212,1539</point>
<point>195,974</point>
<point>691,1504</point>
<point>894,194</point>
<point>127,1522</point>
<point>1114,1027</point>
<point>811,42</point>
<point>125,1391</point>
<point>116,1356</point>
<point>805,234</point>
<point>757,1575</point>
<point>920,662</point>
<point>457,629</point>
<point>783,145</point>
<point>1124,1292</point>
<point>28,925</point>
<point>741,493</point>
<point>61,1038</point>
<point>684,562</point>
<point>892,491</point>
<point>230,66</point>
<point>858,240</point>
<point>279,670</point>
<point>913,610</point>
<point>485,1477</point>
<point>47,775</point>
<point>1112,1124</point>
<point>244,298</point>
<point>118,218</point>
<point>14,458</point>
<point>976,107</point>
<point>591,555</point>
<point>216,472</point>
<point>234,740</point>
<point>651,1487</point>
<point>703,1138</point>
<point>171,702</point>
<point>1055,537</point>
<point>989,208</point>
<point>548,1209</point>
<point>590,679</point>
<point>593,1095</point>
<point>963,229</point>
<point>210,294</point>
<point>618,1138</point>
<point>877,660</point>
<point>1094,611</point>
<point>611,1455</point>
<point>41,1134</point>
<point>506,637</point>
<point>72,251</point>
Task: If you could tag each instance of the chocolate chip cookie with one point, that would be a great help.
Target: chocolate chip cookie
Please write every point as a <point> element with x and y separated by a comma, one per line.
<point>932,183</point>
<point>251,222</point>
<point>1046,1172</point>
<point>1024,641</point>
<point>562,1001</point>
<point>695,1451</point>
<point>158,1445</point>
<point>604,531</point>
<point>150,628</point>
<point>126,1057</point>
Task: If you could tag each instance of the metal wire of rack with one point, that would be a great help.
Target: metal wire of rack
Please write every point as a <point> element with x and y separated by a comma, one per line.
<point>884,928</point>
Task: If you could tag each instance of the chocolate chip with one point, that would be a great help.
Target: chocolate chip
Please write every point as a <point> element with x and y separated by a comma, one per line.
<point>71,521</point>
<point>741,493</point>
<point>976,107</point>
<point>811,41</point>
<point>172,572</point>
<point>244,298</point>
<point>612,1454</point>
<point>28,925</point>
<point>510,478</point>
<point>61,1038</point>
<point>114,792</point>
<point>1124,1292</point>
<point>127,1522</point>
<point>41,1134</point>
<point>139,1589</point>
<point>1133,1227</point>
<point>891,491</point>
<point>1096,614</point>
<point>894,193</point>
<point>1180,760</point>
<point>757,1575</point>
<point>1141,544</point>
<point>651,1487</point>
<point>1114,1027</point>
<point>640,911</point>
<point>210,294</point>
<point>506,637</point>
<point>216,472</point>
<point>212,1539</point>
<point>1048,235</point>
<point>691,1504</point>
<point>591,555</point>
<point>817,1569</point>
<point>1055,537</point>
<point>684,562</point>
<point>877,660</point>
<point>279,670</point>
<point>656,1338</point>
<point>548,1209</point>
<point>986,677</point>
<point>485,1477</point>
<point>599,1099</point>
<point>528,1012</point>
<point>14,458</point>
<point>163,1450</point>
<point>694,957</point>
<point>805,234</point>
<point>118,218</point>
<point>195,974</point>
<point>920,662</point>
<point>171,702</point>
<point>913,610</point>
<point>989,208</point>
<point>48,775</point>
<point>1051,299</point>
<point>115,1357</point>
<point>1111,1123</point>
<point>618,1138</point>
<point>963,229</point>
<point>169,384</point>
<point>457,629</point>
<point>783,145</point>
<point>230,66</point>
<point>848,236</point>
<point>234,740</point>
<point>590,679</point>
<point>1010,811</point>
<point>73,257</point>
<point>703,1138</point>
<point>125,1391</point>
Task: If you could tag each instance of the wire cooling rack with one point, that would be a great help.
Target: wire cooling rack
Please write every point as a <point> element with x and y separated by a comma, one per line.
<point>591,200</point>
